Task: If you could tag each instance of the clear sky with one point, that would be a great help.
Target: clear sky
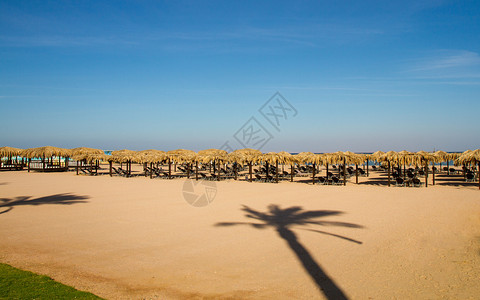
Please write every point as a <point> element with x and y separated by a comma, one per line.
<point>362,75</point>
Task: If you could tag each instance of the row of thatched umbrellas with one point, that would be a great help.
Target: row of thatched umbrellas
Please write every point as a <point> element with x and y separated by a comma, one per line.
<point>248,157</point>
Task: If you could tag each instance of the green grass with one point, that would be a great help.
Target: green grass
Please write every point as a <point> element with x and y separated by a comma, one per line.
<point>18,284</point>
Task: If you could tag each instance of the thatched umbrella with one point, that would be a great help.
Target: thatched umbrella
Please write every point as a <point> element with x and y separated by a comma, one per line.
<point>92,158</point>
<point>179,156</point>
<point>125,156</point>
<point>462,160</point>
<point>404,157</point>
<point>441,157</point>
<point>47,152</point>
<point>150,156</point>
<point>389,157</point>
<point>357,159</point>
<point>85,150</point>
<point>216,156</point>
<point>271,158</point>
<point>345,158</point>
<point>10,152</point>
<point>424,158</point>
<point>250,156</point>
<point>80,154</point>
<point>287,158</point>
<point>472,157</point>
<point>236,158</point>
<point>308,158</point>
<point>451,157</point>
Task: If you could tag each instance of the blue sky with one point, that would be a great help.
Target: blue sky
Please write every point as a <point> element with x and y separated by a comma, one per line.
<point>362,75</point>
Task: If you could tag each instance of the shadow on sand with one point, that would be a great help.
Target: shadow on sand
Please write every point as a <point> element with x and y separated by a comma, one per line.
<point>62,199</point>
<point>282,220</point>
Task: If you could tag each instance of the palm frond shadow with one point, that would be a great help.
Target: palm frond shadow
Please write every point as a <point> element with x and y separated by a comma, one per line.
<point>282,220</point>
<point>62,199</point>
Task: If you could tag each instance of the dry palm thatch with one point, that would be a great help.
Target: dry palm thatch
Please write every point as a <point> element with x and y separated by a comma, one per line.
<point>212,155</point>
<point>250,156</point>
<point>236,157</point>
<point>93,157</point>
<point>285,158</point>
<point>150,156</point>
<point>356,159</point>
<point>464,158</point>
<point>453,156</point>
<point>181,155</point>
<point>10,151</point>
<point>215,156</point>
<point>84,153</point>
<point>311,158</point>
<point>85,150</point>
<point>442,155</point>
<point>305,157</point>
<point>376,155</point>
<point>389,158</point>
<point>271,158</point>
<point>121,156</point>
<point>47,151</point>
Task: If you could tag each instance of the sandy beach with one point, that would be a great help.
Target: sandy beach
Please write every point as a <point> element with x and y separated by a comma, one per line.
<point>137,238</point>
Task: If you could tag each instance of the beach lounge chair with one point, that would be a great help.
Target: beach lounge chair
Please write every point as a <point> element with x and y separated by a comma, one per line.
<point>470,177</point>
<point>322,180</point>
<point>335,180</point>
<point>399,181</point>
<point>117,171</point>
<point>416,182</point>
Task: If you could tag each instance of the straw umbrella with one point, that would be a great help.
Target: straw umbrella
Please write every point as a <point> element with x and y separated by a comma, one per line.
<point>92,158</point>
<point>236,158</point>
<point>150,156</point>
<point>287,158</point>
<point>389,157</point>
<point>271,158</point>
<point>355,158</point>
<point>451,157</point>
<point>216,156</point>
<point>125,156</point>
<point>405,157</point>
<point>342,157</point>
<point>250,156</point>
<point>308,158</point>
<point>179,156</point>
<point>472,157</point>
<point>424,158</point>
<point>376,156</point>
<point>80,153</point>
<point>441,157</point>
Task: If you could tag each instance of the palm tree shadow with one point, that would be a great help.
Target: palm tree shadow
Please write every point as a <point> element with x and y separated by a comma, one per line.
<point>62,199</point>
<point>281,220</point>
